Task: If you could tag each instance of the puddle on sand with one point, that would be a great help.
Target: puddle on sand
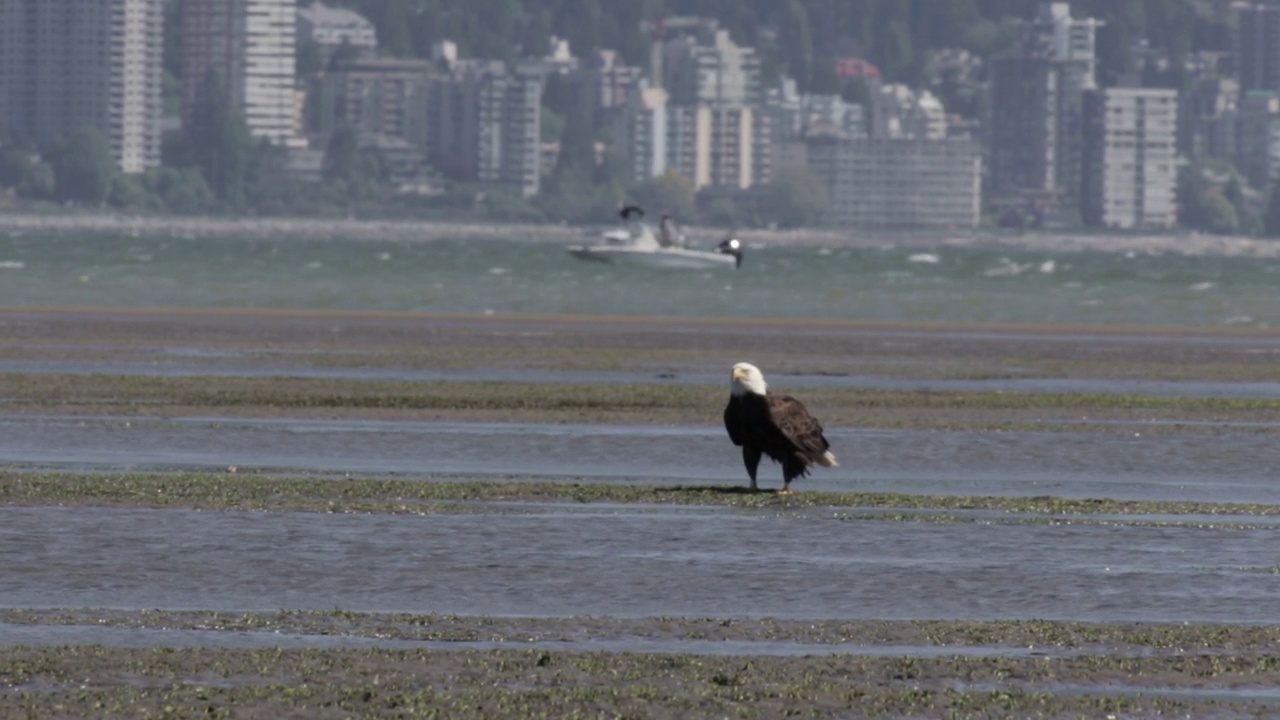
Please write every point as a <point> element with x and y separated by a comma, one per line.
<point>1227,467</point>
<point>628,564</point>
<point>1264,695</point>
<point>44,635</point>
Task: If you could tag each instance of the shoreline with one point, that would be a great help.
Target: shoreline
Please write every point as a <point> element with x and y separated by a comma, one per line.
<point>367,230</point>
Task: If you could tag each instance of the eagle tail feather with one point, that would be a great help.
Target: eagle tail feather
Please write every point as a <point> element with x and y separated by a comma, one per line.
<point>828,460</point>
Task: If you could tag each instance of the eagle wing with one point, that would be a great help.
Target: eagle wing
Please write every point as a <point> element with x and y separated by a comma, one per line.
<point>801,429</point>
<point>734,418</point>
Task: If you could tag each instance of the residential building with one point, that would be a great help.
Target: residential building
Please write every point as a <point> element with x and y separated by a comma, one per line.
<point>331,28</point>
<point>1208,101</point>
<point>733,147</point>
<point>1257,46</point>
<point>888,183</point>
<point>66,65</point>
<point>689,143</point>
<point>707,67</point>
<point>242,51</point>
<point>641,132</point>
<point>907,113</point>
<point>602,87</point>
<point>1130,163</point>
<point>1257,137</point>
<point>382,96</point>
<point>1037,105</point>
<point>715,146</point>
<point>485,124</point>
<point>834,112</point>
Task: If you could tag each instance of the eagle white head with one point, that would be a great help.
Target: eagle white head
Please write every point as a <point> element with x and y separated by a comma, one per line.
<point>747,378</point>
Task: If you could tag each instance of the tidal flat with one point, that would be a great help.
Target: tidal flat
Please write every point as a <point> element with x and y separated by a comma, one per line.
<point>1028,521</point>
<point>535,668</point>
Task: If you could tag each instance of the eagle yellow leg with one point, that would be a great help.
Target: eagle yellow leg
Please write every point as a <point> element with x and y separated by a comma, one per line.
<point>786,489</point>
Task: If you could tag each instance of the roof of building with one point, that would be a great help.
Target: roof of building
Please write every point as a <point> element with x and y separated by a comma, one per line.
<point>322,15</point>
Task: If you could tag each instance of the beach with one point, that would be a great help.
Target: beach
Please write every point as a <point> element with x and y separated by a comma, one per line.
<point>223,512</point>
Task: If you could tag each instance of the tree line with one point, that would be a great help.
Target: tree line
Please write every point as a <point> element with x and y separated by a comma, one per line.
<point>799,38</point>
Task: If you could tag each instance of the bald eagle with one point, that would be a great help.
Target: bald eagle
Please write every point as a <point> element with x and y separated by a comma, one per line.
<point>776,425</point>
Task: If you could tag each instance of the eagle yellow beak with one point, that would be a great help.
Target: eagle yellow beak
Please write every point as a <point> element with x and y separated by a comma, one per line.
<point>739,374</point>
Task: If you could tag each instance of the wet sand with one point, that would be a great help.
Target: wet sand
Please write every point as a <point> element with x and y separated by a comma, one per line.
<point>624,605</point>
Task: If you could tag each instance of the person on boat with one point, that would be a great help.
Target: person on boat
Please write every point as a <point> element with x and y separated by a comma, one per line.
<point>668,235</point>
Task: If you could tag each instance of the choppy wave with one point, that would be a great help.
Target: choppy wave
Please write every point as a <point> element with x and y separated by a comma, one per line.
<point>951,284</point>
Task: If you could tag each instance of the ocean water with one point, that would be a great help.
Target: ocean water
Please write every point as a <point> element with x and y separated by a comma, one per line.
<point>946,285</point>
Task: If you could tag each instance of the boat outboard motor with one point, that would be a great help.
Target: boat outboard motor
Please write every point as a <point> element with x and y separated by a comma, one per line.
<point>732,246</point>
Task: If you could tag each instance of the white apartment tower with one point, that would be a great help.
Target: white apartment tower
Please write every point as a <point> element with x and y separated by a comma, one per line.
<point>245,50</point>
<point>65,64</point>
<point>1130,160</point>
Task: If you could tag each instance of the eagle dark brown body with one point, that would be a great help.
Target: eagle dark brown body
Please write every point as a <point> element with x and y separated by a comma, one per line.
<point>779,426</point>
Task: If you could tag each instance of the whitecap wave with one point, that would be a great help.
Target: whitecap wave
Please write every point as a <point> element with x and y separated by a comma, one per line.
<point>1007,268</point>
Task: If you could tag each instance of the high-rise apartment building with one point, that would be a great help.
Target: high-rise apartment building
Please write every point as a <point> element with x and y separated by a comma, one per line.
<point>718,134</point>
<point>714,145</point>
<point>1037,105</point>
<point>243,50</point>
<point>641,132</point>
<point>1257,46</point>
<point>485,124</point>
<point>1130,164</point>
<point>1257,136</point>
<point>381,96</point>
<point>65,65</point>
<point>708,67</point>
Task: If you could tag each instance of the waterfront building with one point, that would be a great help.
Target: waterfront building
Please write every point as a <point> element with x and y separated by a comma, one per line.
<point>898,183</point>
<point>1130,163</point>
<point>66,65</point>
<point>243,52</point>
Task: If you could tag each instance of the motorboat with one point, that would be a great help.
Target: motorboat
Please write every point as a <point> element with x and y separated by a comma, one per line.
<point>636,244</point>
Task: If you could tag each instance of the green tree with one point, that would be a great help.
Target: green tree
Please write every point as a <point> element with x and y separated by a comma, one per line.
<point>571,191</point>
<point>1219,214</point>
<point>393,28</point>
<point>794,198</point>
<point>182,190</point>
<point>219,143</point>
<point>1250,222</point>
<point>130,192</point>
<point>1192,187</point>
<point>797,42</point>
<point>84,167</point>
<point>721,212</point>
<point>16,160</point>
<point>342,156</point>
<point>1271,222</point>
<point>670,193</point>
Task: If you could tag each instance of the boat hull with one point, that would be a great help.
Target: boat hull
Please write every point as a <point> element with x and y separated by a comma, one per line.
<point>671,258</point>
